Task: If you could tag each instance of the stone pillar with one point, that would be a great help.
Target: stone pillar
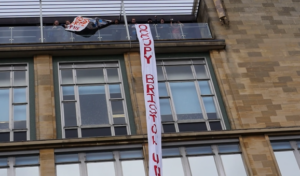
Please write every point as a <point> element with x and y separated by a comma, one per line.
<point>258,156</point>
<point>47,162</point>
<point>134,73</point>
<point>44,98</point>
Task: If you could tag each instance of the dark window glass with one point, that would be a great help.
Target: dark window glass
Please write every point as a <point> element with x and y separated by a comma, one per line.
<point>71,133</point>
<point>215,125</point>
<point>20,136</point>
<point>93,105</point>
<point>227,148</point>
<point>91,132</point>
<point>70,114</point>
<point>4,137</point>
<point>169,128</point>
<point>281,145</point>
<point>170,152</point>
<point>184,127</point>
<point>120,131</point>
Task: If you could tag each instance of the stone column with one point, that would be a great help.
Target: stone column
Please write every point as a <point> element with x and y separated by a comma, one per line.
<point>47,162</point>
<point>134,73</point>
<point>44,98</point>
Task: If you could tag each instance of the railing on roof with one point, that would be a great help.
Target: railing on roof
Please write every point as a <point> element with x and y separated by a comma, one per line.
<point>57,34</point>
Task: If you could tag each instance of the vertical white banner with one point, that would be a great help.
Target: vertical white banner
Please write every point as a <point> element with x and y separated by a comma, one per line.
<point>151,95</point>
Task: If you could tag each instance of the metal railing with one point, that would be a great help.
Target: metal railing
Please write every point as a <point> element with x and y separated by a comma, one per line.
<point>57,34</point>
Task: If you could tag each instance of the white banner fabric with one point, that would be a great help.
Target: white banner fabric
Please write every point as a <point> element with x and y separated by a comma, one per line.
<point>78,24</point>
<point>151,96</point>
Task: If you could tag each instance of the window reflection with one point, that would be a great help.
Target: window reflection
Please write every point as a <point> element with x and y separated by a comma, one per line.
<point>27,171</point>
<point>204,165</point>
<point>233,165</point>
<point>67,169</point>
<point>133,168</point>
<point>172,166</point>
<point>105,168</point>
<point>287,163</point>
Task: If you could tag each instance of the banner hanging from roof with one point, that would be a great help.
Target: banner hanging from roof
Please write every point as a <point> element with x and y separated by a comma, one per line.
<point>78,24</point>
<point>151,96</point>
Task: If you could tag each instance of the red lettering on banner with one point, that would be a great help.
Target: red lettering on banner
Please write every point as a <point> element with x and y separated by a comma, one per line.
<point>150,42</point>
<point>151,98</point>
<point>157,170</point>
<point>157,158</point>
<point>144,29</point>
<point>152,129</point>
<point>149,77</point>
<point>153,140</point>
<point>150,88</point>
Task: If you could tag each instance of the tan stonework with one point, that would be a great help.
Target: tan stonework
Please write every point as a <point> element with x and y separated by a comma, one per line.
<point>259,156</point>
<point>47,162</point>
<point>44,98</point>
<point>134,73</point>
<point>259,73</point>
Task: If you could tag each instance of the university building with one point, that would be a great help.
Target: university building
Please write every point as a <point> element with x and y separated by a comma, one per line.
<point>228,78</point>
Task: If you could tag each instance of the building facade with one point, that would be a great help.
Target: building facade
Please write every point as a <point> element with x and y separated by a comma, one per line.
<point>229,97</point>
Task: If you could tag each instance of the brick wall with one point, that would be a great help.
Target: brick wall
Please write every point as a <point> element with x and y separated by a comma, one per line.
<point>259,71</point>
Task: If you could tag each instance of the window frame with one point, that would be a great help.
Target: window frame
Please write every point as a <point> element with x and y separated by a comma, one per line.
<point>11,160</point>
<point>11,87</point>
<point>116,157</point>
<point>215,153</point>
<point>195,80</point>
<point>106,84</point>
<point>294,147</point>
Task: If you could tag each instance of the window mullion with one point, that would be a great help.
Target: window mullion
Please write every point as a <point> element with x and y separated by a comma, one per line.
<point>108,102</point>
<point>172,106</point>
<point>77,104</point>
<point>61,103</point>
<point>118,166</point>
<point>83,167</point>
<point>11,169</point>
<point>11,107</point>
<point>218,161</point>
<point>28,104</point>
<point>185,162</point>
<point>296,151</point>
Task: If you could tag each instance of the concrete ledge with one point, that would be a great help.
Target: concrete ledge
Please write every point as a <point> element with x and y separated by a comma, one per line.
<point>139,139</point>
<point>106,48</point>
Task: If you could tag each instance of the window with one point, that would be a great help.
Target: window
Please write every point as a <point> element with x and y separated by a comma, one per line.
<point>92,100</point>
<point>187,97</point>
<point>19,166</point>
<point>108,163</point>
<point>287,157</point>
<point>14,106</point>
<point>212,160</point>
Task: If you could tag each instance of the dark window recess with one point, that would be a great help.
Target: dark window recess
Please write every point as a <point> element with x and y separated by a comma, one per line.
<point>71,133</point>
<point>4,137</point>
<point>20,136</point>
<point>92,132</point>
<point>120,131</point>
<point>215,126</point>
<point>169,128</point>
<point>185,127</point>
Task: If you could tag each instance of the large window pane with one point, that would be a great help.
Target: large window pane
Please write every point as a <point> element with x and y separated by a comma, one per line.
<point>19,95</point>
<point>165,110</point>
<point>186,100</point>
<point>210,107</point>
<point>204,87</point>
<point>5,78</point>
<point>162,90</point>
<point>172,166</point>
<point>200,71</point>
<point>115,91</point>
<point>160,75</point>
<point>70,114</point>
<point>68,93</point>
<point>90,75</point>
<point>4,108</point>
<point>99,156</point>
<point>20,116</point>
<point>66,76</point>
<point>3,172</point>
<point>19,78</point>
<point>27,160</point>
<point>204,165</point>
<point>179,72</point>
<point>133,168</point>
<point>93,105</point>
<point>112,75</point>
<point>287,163</point>
<point>233,165</point>
<point>68,169</point>
<point>27,171</point>
<point>103,168</point>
